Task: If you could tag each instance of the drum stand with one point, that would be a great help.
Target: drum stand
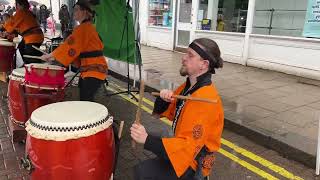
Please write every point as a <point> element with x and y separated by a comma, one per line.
<point>53,97</point>
<point>17,130</point>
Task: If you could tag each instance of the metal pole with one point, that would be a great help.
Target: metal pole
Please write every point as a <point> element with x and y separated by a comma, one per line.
<point>318,150</point>
<point>249,24</point>
<point>271,19</point>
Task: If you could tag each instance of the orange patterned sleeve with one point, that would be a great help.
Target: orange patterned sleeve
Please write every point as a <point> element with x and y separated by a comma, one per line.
<point>70,50</point>
<point>13,22</point>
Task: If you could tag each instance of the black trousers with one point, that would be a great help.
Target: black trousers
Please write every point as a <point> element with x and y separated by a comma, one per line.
<point>27,49</point>
<point>88,88</point>
<point>159,169</point>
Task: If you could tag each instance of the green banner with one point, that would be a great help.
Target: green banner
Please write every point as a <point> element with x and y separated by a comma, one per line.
<point>117,36</point>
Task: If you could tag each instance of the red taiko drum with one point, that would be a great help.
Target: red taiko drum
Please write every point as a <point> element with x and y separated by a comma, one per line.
<point>7,50</point>
<point>70,140</point>
<point>45,75</point>
<point>14,96</point>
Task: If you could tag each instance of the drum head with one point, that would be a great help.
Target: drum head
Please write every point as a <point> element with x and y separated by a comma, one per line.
<point>6,43</point>
<point>68,120</point>
<point>18,74</point>
<point>44,66</point>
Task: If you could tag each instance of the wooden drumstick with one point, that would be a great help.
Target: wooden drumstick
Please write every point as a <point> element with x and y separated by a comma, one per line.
<point>188,98</point>
<point>138,113</point>
<point>33,57</point>
<point>38,49</point>
<point>120,129</point>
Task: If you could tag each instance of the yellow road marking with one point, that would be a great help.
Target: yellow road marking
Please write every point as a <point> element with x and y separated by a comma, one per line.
<point>246,164</point>
<point>260,160</point>
<point>239,150</point>
<point>243,163</point>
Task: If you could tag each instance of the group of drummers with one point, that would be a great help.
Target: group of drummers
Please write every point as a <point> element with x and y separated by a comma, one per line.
<point>83,47</point>
<point>188,152</point>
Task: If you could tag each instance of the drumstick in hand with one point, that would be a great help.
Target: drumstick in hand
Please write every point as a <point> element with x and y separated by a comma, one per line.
<point>188,98</point>
<point>33,57</point>
<point>120,129</point>
<point>138,114</point>
<point>38,49</point>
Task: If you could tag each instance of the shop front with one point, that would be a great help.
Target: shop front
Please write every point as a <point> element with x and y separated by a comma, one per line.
<point>261,33</point>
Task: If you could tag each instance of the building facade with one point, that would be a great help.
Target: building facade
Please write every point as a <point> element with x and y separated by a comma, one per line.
<point>260,33</point>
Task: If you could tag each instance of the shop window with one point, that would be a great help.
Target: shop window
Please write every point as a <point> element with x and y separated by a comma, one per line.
<point>160,13</point>
<point>284,18</point>
<point>222,15</point>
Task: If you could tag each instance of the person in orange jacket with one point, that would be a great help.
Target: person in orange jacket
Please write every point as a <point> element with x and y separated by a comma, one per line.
<point>9,36</point>
<point>85,48</point>
<point>25,24</point>
<point>196,126</point>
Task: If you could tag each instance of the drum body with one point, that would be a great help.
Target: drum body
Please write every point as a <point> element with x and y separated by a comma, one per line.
<point>7,51</point>
<point>76,147</point>
<point>15,98</point>
<point>35,96</point>
<point>89,158</point>
<point>45,75</point>
<point>40,96</point>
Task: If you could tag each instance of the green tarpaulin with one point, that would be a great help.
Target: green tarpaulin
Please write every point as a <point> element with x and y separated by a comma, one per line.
<point>110,23</point>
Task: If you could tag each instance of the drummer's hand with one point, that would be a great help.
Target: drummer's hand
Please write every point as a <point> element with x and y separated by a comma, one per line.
<point>166,95</point>
<point>47,57</point>
<point>3,34</point>
<point>138,133</point>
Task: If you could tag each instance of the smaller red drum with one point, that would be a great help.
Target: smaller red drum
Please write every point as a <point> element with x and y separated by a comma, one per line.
<point>14,96</point>
<point>7,50</point>
<point>70,140</point>
<point>45,75</point>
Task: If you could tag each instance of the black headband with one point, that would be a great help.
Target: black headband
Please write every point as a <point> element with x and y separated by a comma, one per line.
<point>85,6</point>
<point>204,56</point>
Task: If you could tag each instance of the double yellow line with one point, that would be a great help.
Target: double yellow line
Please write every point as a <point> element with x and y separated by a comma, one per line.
<point>273,167</point>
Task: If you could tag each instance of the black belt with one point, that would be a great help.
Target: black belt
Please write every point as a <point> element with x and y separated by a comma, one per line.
<point>31,31</point>
<point>91,54</point>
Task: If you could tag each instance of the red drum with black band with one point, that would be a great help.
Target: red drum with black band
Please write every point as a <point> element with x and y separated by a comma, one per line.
<point>70,140</point>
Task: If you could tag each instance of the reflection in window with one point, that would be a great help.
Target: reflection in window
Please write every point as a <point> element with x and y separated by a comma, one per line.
<point>274,17</point>
<point>222,15</point>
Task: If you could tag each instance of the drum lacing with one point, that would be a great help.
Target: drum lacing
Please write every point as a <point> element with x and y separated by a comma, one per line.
<point>68,129</point>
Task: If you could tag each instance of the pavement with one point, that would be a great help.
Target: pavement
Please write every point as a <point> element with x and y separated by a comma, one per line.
<point>239,158</point>
<point>278,106</point>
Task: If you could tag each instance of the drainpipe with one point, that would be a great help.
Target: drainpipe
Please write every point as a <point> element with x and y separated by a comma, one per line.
<point>249,24</point>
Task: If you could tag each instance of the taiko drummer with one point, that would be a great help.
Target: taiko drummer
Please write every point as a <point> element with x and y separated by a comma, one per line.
<point>83,47</point>
<point>25,23</point>
<point>197,126</point>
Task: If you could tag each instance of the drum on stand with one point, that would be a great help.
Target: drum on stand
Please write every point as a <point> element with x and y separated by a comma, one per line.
<point>7,51</point>
<point>15,98</point>
<point>7,63</point>
<point>70,140</point>
<point>45,75</point>
<point>15,104</point>
<point>37,96</point>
